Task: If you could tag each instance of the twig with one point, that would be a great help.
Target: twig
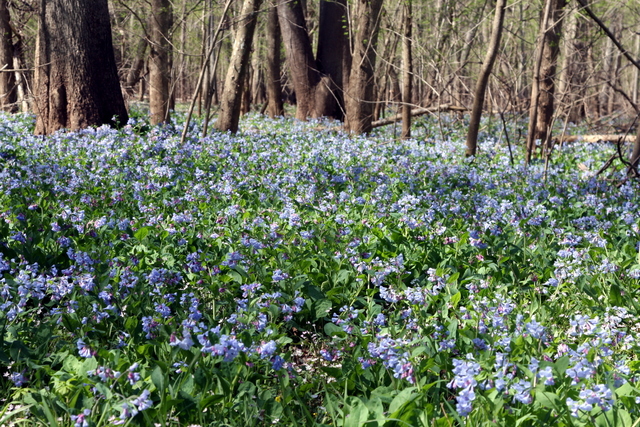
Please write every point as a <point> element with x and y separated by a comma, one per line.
<point>506,135</point>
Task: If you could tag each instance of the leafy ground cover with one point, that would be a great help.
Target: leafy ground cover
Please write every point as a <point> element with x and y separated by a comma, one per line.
<point>295,276</point>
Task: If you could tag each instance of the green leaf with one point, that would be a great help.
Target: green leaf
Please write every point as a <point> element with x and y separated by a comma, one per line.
<point>342,277</point>
<point>615,296</point>
<point>333,372</point>
<point>548,400</point>
<point>453,328</point>
<point>188,385</point>
<point>89,364</point>
<point>357,413</point>
<point>405,396</point>
<point>625,390</point>
<point>313,292</point>
<point>331,329</point>
<point>235,276</point>
<point>321,308</point>
<point>72,365</point>
<point>615,417</point>
<point>455,299</point>
<point>562,364</point>
<point>158,379</point>
<point>141,233</point>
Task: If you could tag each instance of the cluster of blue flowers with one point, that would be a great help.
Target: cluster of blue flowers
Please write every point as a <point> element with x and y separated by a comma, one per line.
<point>225,247</point>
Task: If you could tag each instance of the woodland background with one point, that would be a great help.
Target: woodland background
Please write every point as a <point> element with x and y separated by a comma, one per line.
<point>420,54</point>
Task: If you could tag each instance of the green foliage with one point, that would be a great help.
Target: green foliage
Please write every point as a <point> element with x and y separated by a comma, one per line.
<point>298,277</point>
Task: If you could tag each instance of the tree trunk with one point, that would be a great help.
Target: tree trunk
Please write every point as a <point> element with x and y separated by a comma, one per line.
<point>535,84</point>
<point>550,51</point>
<point>257,90</point>
<point>635,155</point>
<point>135,73</point>
<point>317,82</point>
<point>332,57</point>
<point>568,69</point>
<point>245,101</point>
<point>297,44</point>
<point>483,80</point>
<point>274,86</point>
<point>8,96</point>
<point>406,73</point>
<point>159,72</point>
<point>359,97</point>
<point>76,81</point>
<point>236,73</point>
<point>182,74</point>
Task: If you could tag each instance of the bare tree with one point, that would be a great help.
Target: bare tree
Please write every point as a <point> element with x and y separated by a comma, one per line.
<point>407,72</point>
<point>302,64</point>
<point>547,76</point>
<point>333,58</point>
<point>318,81</point>
<point>160,22</point>
<point>483,80</point>
<point>76,76</point>
<point>274,87</point>
<point>535,84</point>
<point>135,73</point>
<point>238,66</point>
<point>8,96</point>
<point>359,95</point>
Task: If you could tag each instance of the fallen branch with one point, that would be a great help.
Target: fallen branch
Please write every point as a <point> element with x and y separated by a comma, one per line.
<point>417,112</point>
<point>597,138</point>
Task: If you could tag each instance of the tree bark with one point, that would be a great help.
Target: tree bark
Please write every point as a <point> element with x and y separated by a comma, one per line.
<point>236,73</point>
<point>550,52</point>
<point>135,73</point>
<point>332,57</point>
<point>318,81</point>
<point>359,97</point>
<point>8,96</point>
<point>297,44</point>
<point>76,81</point>
<point>635,155</point>
<point>483,80</point>
<point>568,69</point>
<point>159,72</point>
<point>406,73</point>
<point>535,84</point>
<point>274,86</point>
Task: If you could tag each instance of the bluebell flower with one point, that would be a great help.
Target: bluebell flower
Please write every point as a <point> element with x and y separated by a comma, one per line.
<point>600,395</point>
<point>464,401</point>
<point>575,406</point>
<point>448,344</point>
<point>522,392</point>
<point>143,401</point>
<point>278,363</point>
<point>266,350</point>
<point>480,344</point>
<point>535,329</point>
<point>380,320</point>
<point>84,350</point>
<point>18,379</point>
<point>185,343</point>
<point>163,310</point>
<point>465,372</point>
<point>278,276</point>
<point>547,374</point>
<point>81,420</point>
<point>149,326</point>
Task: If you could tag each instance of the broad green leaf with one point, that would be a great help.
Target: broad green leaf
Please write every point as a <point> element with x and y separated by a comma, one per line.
<point>158,379</point>
<point>406,395</point>
<point>141,233</point>
<point>321,308</point>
